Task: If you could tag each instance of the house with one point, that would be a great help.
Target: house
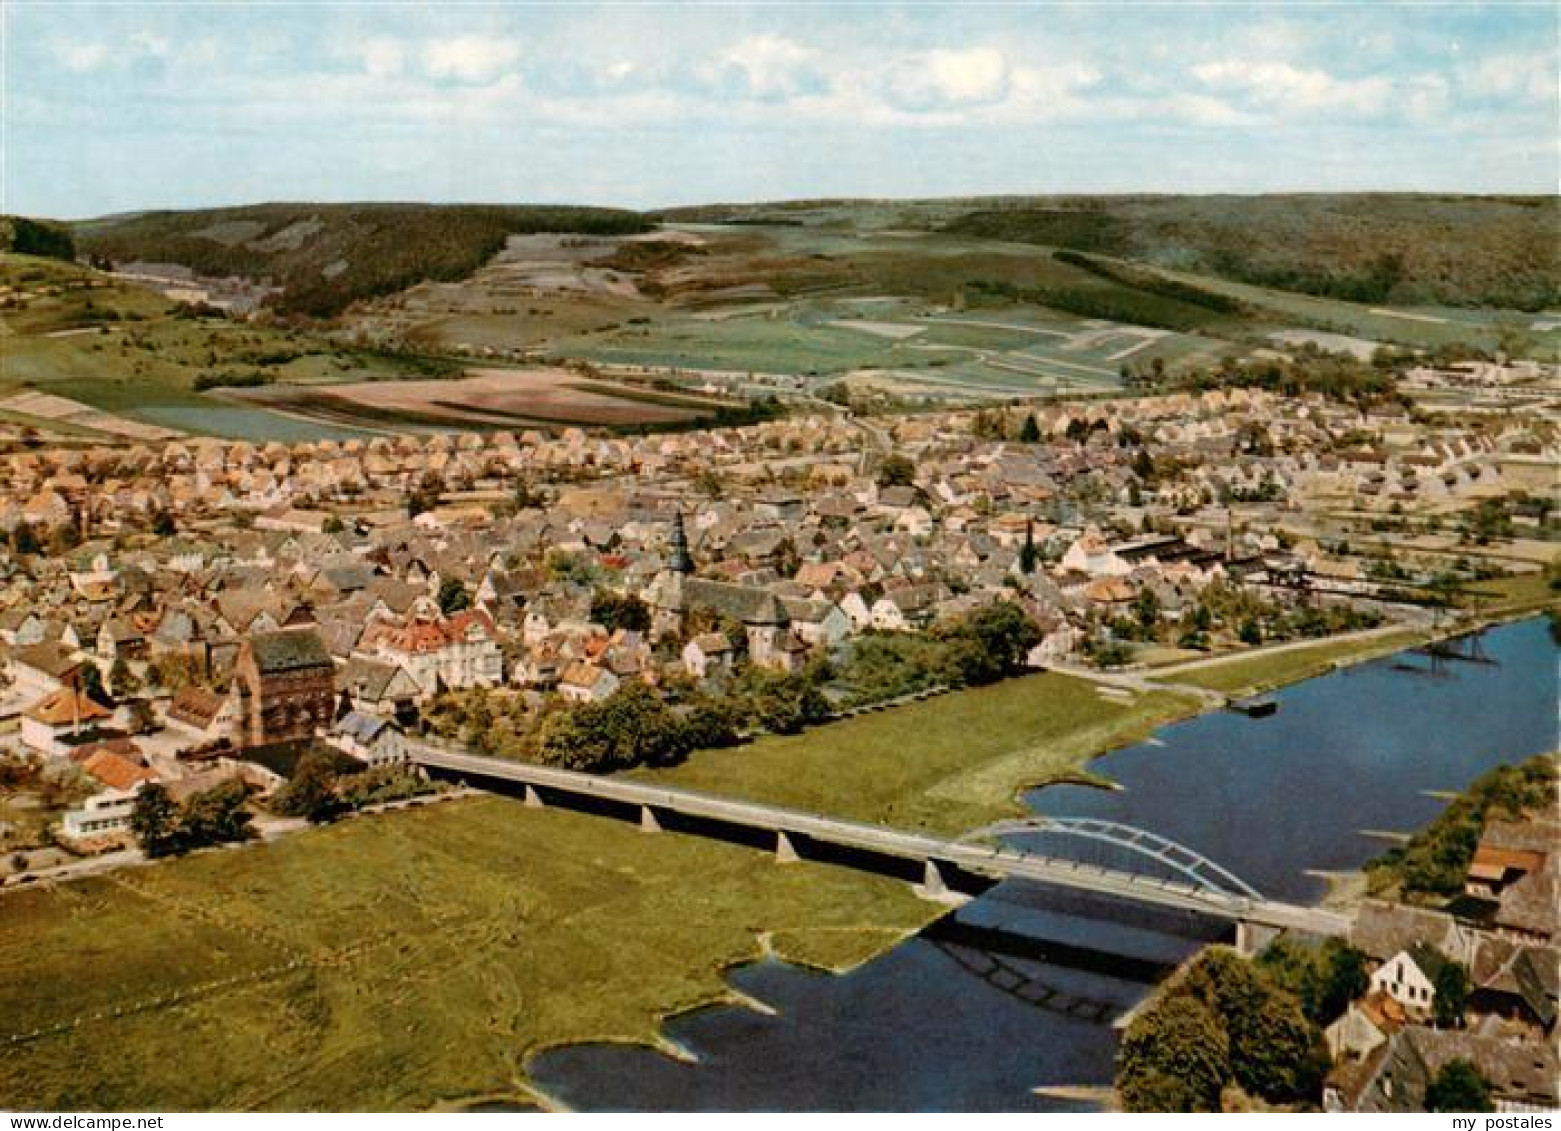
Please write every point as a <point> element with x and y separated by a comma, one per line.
<point>379,687</point>
<point>119,769</point>
<point>819,623</point>
<point>584,682</point>
<point>1364,1027</point>
<point>203,712</point>
<point>38,669</point>
<point>1395,1076</point>
<point>369,738</point>
<point>61,720</point>
<point>287,687</point>
<point>447,652</point>
<point>118,639</point>
<point>709,653</point>
<point>1091,555</point>
<point>101,815</point>
<point>909,607</point>
<point>1409,978</point>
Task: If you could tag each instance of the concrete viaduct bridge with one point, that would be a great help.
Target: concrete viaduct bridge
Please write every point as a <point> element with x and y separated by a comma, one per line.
<point>1190,883</point>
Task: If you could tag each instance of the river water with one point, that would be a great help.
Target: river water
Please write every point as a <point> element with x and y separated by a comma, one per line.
<point>947,1022</point>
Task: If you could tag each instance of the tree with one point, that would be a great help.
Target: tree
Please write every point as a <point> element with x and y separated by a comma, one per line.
<point>332,525</point>
<point>1029,556</point>
<point>1146,607</point>
<point>1030,432</point>
<point>216,816</point>
<point>988,643</point>
<point>121,679</point>
<point>1459,1086</point>
<point>425,496</point>
<point>710,724</point>
<point>154,820</point>
<point>24,540</point>
<point>163,524</point>
<point>90,683</point>
<point>1274,1051</point>
<point>526,498</point>
<point>143,719</point>
<point>631,727</point>
<point>311,790</point>
<point>1451,993</point>
<point>1175,1056</point>
<point>453,596</point>
<point>1325,979</point>
<point>617,610</point>
<point>64,538</point>
<point>896,471</point>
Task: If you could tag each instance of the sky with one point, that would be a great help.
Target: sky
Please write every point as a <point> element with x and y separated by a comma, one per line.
<point>125,106</point>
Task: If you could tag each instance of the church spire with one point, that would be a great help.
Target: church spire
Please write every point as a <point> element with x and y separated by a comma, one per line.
<point>678,559</point>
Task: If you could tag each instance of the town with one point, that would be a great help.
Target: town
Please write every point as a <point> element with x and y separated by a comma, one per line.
<point>205,638</point>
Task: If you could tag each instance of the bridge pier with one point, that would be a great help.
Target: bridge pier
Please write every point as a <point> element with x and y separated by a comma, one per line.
<point>785,851</point>
<point>648,822</point>
<point>934,888</point>
<point>533,798</point>
<point>1253,937</point>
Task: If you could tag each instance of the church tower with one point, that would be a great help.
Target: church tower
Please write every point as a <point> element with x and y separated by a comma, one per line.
<point>678,558</point>
<point>665,594</point>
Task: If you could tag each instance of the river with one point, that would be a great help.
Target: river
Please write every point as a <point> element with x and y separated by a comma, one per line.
<point>950,1024</point>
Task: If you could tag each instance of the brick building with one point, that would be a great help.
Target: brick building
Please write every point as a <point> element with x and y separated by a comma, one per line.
<point>286,686</point>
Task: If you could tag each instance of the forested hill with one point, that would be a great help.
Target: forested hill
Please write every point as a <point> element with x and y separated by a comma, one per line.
<point>326,256</point>
<point>1406,249</point>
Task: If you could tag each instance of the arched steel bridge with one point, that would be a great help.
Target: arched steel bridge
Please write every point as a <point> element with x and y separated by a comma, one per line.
<point>1193,867</point>
<point>1194,883</point>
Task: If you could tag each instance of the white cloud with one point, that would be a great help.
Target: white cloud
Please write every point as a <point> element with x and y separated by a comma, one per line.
<point>1284,88</point>
<point>149,44</point>
<point>381,56</point>
<point>1529,76</point>
<point>139,49</point>
<point>1199,110</point>
<point>469,58</point>
<point>943,79</point>
<point>765,67</point>
<point>82,56</point>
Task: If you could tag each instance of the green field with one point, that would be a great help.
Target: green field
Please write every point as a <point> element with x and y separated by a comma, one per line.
<point>948,764</point>
<point>397,962</point>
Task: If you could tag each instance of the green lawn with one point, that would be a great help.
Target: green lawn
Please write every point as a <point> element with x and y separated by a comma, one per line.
<point>1508,595</point>
<point>398,961</point>
<point>1261,672</point>
<point>947,764</point>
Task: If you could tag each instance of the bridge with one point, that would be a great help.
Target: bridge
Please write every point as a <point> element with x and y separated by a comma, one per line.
<point>1194,884</point>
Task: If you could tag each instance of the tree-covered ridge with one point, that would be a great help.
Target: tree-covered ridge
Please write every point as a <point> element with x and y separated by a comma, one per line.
<point>32,237</point>
<point>327,256</point>
<point>1434,862</point>
<point>1401,248</point>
